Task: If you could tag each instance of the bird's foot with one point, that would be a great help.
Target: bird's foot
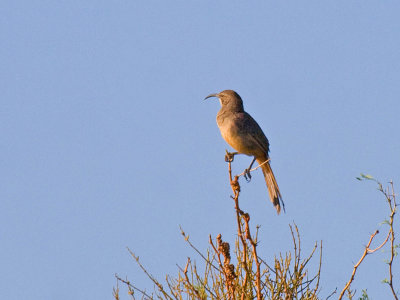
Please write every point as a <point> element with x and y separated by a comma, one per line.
<point>229,156</point>
<point>247,175</point>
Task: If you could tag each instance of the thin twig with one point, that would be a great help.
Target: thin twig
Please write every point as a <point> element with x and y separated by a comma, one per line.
<point>187,278</point>
<point>195,249</point>
<point>319,270</point>
<point>236,190</point>
<point>160,287</point>
<point>381,245</point>
<point>255,256</point>
<point>132,286</point>
<point>357,264</point>
<point>203,284</point>
<point>255,168</point>
<point>391,196</point>
<point>333,293</point>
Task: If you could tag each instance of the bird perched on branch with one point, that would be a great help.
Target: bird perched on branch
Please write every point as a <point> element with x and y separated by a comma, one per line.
<point>243,133</point>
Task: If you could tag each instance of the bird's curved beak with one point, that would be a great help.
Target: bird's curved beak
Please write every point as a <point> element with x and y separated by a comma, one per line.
<point>211,95</point>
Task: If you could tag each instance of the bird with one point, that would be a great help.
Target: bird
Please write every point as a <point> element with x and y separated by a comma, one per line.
<point>244,134</point>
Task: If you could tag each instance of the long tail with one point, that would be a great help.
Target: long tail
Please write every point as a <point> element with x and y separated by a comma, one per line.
<point>273,189</point>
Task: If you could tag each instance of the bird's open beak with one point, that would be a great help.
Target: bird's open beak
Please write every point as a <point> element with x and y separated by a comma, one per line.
<point>211,95</point>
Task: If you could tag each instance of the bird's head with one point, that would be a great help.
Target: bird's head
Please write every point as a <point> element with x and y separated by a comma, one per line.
<point>229,99</point>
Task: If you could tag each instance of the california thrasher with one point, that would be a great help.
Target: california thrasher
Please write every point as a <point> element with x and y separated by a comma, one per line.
<point>243,133</point>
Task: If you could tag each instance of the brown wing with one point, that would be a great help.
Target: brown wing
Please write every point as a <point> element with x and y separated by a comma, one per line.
<point>248,126</point>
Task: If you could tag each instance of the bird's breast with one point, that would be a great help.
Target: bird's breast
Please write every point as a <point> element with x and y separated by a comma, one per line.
<point>232,134</point>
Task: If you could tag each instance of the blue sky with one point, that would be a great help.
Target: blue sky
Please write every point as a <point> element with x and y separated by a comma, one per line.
<point>107,142</point>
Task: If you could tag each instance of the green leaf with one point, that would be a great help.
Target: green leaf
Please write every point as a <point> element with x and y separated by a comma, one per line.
<point>366,176</point>
<point>364,295</point>
<point>384,222</point>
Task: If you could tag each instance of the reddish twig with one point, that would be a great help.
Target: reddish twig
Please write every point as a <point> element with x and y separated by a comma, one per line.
<point>366,252</point>
<point>239,213</point>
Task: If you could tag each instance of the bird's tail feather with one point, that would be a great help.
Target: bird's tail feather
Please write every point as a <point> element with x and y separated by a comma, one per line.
<point>273,189</point>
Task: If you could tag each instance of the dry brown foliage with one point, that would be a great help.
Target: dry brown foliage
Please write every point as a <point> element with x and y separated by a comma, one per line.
<point>247,275</point>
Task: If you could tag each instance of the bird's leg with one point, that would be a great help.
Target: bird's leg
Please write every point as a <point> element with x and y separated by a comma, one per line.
<point>246,172</point>
<point>229,156</point>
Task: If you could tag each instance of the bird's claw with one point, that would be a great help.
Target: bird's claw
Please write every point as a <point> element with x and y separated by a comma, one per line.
<point>229,156</point>
<point>247,175</point>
